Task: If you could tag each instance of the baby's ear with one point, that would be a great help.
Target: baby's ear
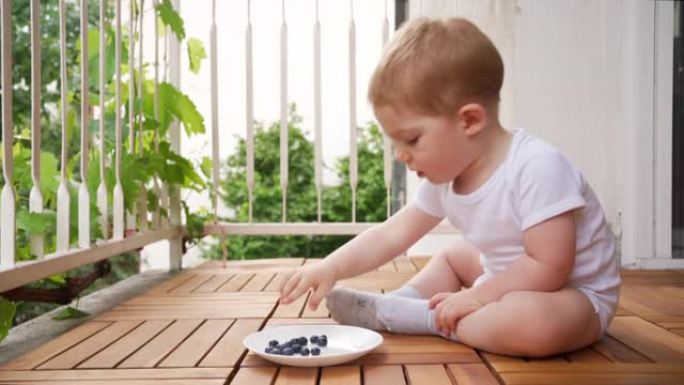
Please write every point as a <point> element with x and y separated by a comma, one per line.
<point>472,117</point>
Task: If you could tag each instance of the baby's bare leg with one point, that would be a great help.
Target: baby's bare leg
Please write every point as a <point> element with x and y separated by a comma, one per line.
<point>456,266</point>
<point>532,324</point>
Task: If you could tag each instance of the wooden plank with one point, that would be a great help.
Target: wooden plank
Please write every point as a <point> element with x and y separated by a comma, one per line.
<point>213,283</point>
<point>189,314</point>
<point>235,283</point>
<point>589,367</point>
<point>404,264</point>
<point>291,310</point>
<point>396,343</point>
<point>190,285</point>
<point>258,282</point>
<point>472,374</point>
<point>184,381</point>
<point>420,261</point>
<point>114,374</point>
<point>251,265</point>
<point>297,376</point>
<point>65,341</point>
<point>586,355</point>
<point>254,376</point>
<point>492,358</point>
<point>389,266</point>
<point>189,353</point>
<point>340,375</point>
<point>427,375</point>
<point>229,349</point>
<point>591,379</point>
<point>170,284</point>
<point>90,346</point>
<point>650,340</point>
<point>320,312</point>
<point>300,321</point>
<point>274,285</point>
<point>119,350</point>
<point>383,375</point>
<point>163,344</point>
<point>616,351</point>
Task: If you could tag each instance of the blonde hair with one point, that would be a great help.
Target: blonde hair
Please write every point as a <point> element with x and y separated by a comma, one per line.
<point>435,66</point>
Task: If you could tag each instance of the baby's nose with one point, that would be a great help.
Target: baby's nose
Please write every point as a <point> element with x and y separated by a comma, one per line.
<point>401,156</point>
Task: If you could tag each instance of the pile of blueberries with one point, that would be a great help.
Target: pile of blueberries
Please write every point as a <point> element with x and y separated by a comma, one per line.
<point>298,346</point>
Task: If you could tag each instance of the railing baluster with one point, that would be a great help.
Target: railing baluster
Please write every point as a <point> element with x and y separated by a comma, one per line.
<point>156,215</point>
<point>283,113</point>
<point>164,198</point>
<point>7,200</point>
<point>36,196</point>
<point>353,166</point>
<point>387,143</point>
<point>102,188</point>
<point>83,195</point>
<point>63,191</point>
<point>175,243</point>
<point>249,105</point>
<point>131,216</point>
<point>118,206</point>
<point>318,161</point>
<point>142,198</point>
<point>214,110</point>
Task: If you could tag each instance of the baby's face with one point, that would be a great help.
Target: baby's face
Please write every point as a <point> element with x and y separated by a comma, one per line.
<point>433,146</point>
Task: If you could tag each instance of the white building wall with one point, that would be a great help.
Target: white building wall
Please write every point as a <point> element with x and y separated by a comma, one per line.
<point>580,74</point>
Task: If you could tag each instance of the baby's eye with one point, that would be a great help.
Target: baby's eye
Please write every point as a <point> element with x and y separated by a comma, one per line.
<point>414,140</point>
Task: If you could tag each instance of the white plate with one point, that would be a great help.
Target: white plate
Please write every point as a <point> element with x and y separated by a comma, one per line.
<point>345,343</point>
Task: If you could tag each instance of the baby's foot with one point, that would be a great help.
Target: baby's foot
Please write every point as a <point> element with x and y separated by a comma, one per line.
<point>353,307</point>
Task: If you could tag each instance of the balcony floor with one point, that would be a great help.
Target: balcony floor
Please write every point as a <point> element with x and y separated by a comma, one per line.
<point>189,329</point>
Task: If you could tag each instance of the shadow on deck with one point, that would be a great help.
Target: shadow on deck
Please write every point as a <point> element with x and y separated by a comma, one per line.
<point>189,329</point>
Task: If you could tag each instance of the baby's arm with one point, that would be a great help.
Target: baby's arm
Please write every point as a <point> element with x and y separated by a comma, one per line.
<point>546,265</point>
<point>365,252</point>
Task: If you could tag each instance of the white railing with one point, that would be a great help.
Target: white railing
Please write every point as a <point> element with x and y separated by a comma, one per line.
<point>125,236</point>
<point>135,228</point>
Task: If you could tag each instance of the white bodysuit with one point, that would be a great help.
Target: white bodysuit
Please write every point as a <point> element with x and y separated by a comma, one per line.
<point>534,183</point>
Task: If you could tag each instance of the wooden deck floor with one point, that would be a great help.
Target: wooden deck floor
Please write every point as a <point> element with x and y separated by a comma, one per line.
<point>189,330</point>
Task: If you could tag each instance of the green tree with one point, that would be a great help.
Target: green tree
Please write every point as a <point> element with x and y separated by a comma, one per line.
<point>301,197</point>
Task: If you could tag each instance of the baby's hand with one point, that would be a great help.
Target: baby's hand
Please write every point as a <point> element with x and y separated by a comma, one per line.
<point>451,307</point>
<point>319,276</point>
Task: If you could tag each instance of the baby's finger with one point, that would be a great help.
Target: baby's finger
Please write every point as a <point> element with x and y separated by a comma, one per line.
<point>283,278</point>
<point>321,290</point>
<point>290,284</point>
<point>437,298</point>
<point>302,287</point>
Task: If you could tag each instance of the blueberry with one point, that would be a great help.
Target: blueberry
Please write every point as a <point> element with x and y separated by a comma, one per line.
<point>315,351</point>
<point>288,351</point>
<point>287,344</point>
<point>323,336</point>
<point>276,351</point>
<point>273,343</point>
<point>304,351</point>
<point>269,349</point>
<point>302,340</point>
<point>322,342</point>
<point>296,348</point>
<point>313,339</point>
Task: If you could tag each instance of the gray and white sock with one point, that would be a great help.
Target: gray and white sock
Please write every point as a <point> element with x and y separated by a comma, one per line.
<point>380,312</point>
<point>406,291</point>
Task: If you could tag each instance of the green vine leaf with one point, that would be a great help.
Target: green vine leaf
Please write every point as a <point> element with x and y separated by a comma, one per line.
<point>7,310</point>
<point>70,313</point>
<point>196,53</point>
<point>170,17</point>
